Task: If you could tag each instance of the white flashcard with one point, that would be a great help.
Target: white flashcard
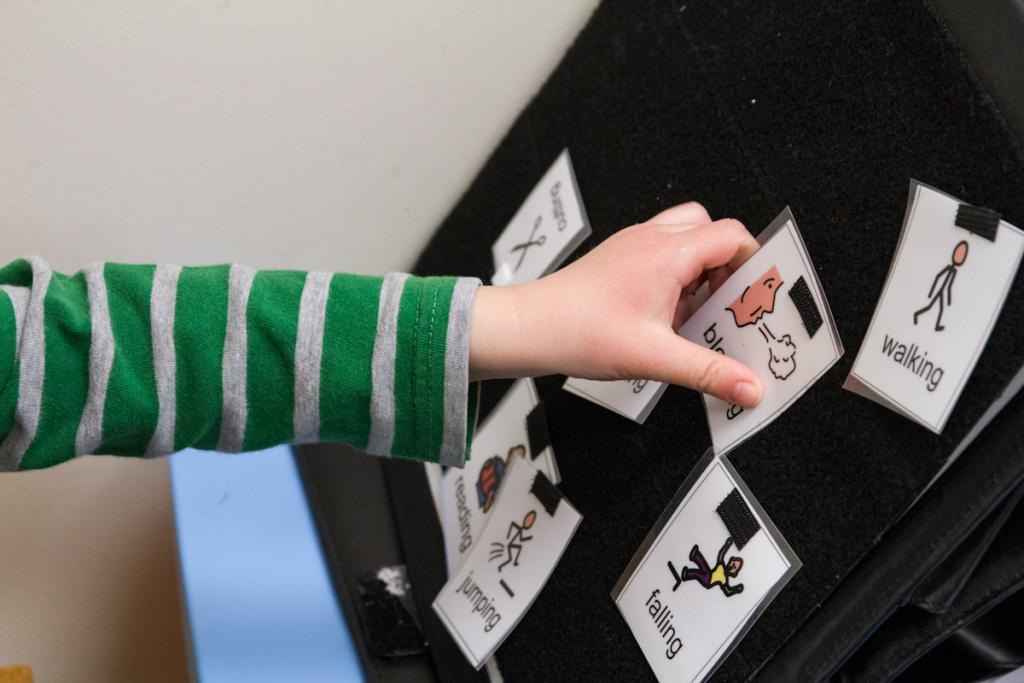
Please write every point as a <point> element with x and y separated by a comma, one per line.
<point>943,295</point>
<point>468,495</point>
<point>772,315</point>
<point>548,227</point>
<point>707,570</point>
<point>528,531</point>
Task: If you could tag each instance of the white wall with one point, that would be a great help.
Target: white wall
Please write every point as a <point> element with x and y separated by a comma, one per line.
<point>305,134</point>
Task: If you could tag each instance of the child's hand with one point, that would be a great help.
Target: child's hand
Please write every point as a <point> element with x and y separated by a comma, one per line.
<point>613,313</point>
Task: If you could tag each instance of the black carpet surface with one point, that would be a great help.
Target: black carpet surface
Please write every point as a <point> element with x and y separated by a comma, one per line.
<point>746,106</point>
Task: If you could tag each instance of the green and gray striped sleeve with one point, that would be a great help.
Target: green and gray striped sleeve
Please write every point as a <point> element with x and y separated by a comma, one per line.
<point>146,360</point>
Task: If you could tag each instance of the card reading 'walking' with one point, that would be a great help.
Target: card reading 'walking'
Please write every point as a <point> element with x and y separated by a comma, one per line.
<point>548,227</point>
<point>705,573</point>
<point>953,268</point>
<point>525,537</point>
<point>772,315</point>
<point>515,429</point>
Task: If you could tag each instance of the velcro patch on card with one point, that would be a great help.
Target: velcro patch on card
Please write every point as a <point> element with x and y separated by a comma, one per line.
<point>800,294</point>
<point>738,519</point>
<point>546,493</point>
<point>979,220</point>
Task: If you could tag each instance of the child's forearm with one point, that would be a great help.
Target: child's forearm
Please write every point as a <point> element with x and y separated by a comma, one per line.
<point>146,360</point>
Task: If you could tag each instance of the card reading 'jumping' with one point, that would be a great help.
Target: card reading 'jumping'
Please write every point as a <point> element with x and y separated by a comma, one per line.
<point>529,529</point>
<point>953,268</point>
<point>772,315</point>
<point>548,227</point>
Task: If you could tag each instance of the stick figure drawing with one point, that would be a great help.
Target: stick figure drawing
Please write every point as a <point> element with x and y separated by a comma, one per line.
<point>943,285</point>
<point>515,537</point>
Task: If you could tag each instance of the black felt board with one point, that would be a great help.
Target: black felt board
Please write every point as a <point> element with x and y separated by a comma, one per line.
<point>746,106</point>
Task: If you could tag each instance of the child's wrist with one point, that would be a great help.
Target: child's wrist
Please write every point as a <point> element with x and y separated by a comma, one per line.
<point>502,340</point>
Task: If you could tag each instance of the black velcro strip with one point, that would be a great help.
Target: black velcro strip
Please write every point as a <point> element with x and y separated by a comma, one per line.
<point>537,430</point>
<point>800,293</point>
<point>546,492</point>
<point>738,518</point>
<point>979,220</point>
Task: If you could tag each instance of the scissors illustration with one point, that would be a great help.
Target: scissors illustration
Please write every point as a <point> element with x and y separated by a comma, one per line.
<point>525,246</point>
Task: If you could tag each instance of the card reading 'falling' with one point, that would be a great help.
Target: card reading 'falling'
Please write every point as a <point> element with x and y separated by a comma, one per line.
<point>772,315</point>
<point>548,227</point>
<point>710,567</point>
<point>953,269</point>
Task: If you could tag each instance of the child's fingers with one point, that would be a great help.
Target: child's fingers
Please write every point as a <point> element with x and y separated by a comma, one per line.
<point>707,247</point>
<point>690,213</point>
<point>748,246</point>
<point>682,362</point>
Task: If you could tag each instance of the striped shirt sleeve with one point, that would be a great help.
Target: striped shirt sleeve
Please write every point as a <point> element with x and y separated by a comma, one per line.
<point>143,360</point>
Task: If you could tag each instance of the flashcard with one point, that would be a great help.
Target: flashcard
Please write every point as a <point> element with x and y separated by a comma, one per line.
<point>530,527</point>
<point>953,269</point>
<point>772,315</point>
<point>712,564</point>
<point>515,429</point>
<point>548,227</point>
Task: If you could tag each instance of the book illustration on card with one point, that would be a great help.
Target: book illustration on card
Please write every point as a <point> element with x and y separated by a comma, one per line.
<point>491,474</point>
<point>941,292</point>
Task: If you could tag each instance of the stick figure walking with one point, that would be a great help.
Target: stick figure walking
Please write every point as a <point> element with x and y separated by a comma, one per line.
<point>943,285</point>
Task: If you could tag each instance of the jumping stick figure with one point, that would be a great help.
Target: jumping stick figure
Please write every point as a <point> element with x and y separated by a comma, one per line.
<point>525,246</point>
<point>515,537</point>
<point>943,285</point>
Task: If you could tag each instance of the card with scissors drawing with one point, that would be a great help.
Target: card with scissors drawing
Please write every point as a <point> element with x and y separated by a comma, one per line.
<point>548,227</point>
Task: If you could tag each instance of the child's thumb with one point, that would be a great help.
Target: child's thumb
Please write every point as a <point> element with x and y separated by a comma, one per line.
<point>690,365</point>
